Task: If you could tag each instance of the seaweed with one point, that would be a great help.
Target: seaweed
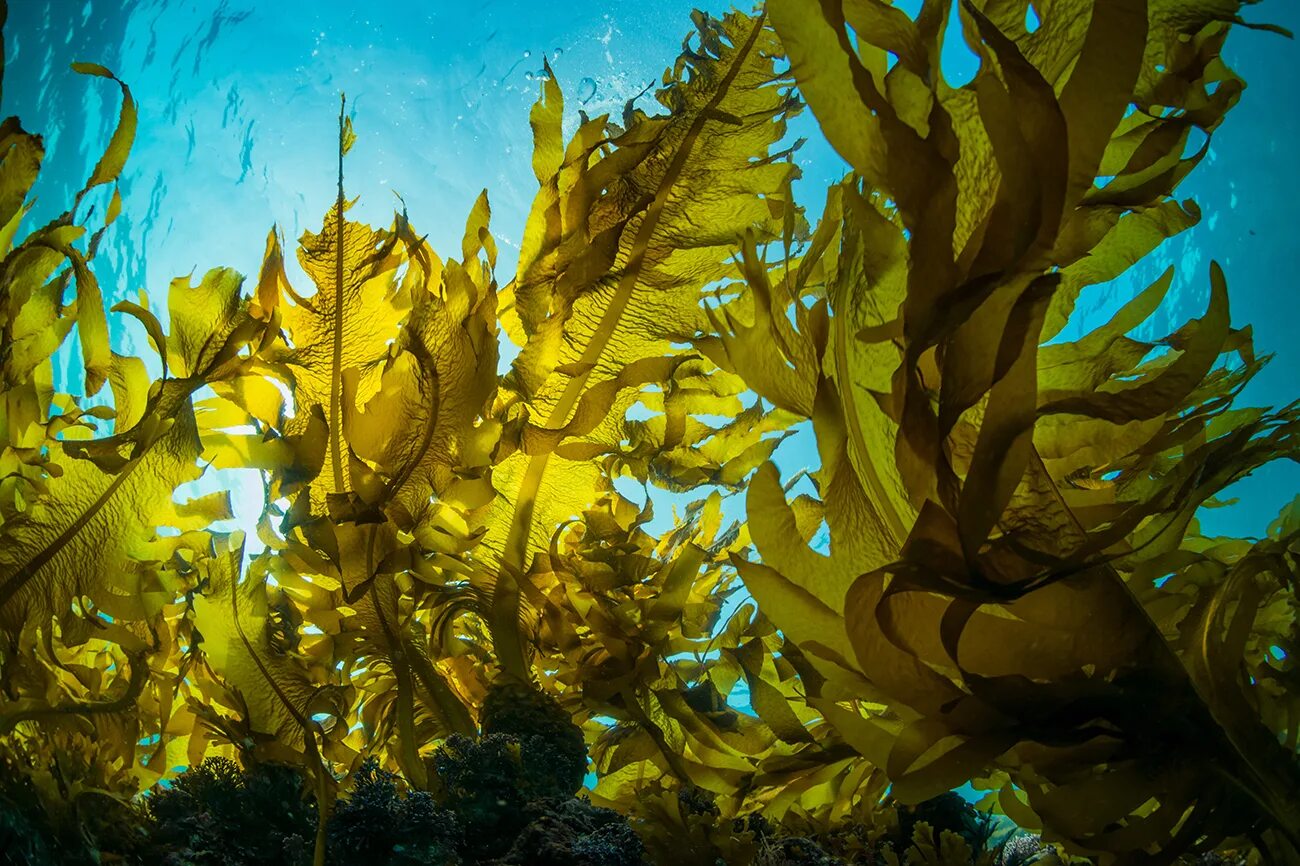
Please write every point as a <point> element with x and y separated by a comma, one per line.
<point>999,505</point>
<point>61,807</point>
<point>454,613</point>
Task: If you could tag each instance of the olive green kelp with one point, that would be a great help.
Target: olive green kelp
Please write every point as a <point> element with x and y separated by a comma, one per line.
<point>632,225</point>
<point>1015,580</point>
<point>376,471</point>
<point>412,480</point>
<point>390,454</point>
<point>1016,588</point>
<point>78,544</point>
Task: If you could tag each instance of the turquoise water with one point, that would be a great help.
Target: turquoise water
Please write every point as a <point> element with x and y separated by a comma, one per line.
<point>238,101</point>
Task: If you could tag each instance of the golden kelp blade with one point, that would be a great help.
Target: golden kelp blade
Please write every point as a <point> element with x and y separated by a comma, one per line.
<point>392,363</point>
<point>629,228</point>
<point>1000,626</point>
<point>87,584</point>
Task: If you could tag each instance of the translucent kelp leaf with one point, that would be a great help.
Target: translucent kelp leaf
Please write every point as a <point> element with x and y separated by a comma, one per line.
<point>251,651</point>
<point>1027,486</point>
<point>78,538</point>
<point>250,640</point>
<point>96,544</point>
<point>630,227</point>
<point>391,363</point>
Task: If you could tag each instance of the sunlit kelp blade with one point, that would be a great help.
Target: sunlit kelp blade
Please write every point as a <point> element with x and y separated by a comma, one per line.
<point>1037,490</point>
<point>631,226</point>
<point>86,582</point>
<point>1015,589</point>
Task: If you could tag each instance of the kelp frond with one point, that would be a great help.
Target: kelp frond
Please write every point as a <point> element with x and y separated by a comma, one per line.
<point>994,574</point>
<point>999,505</point>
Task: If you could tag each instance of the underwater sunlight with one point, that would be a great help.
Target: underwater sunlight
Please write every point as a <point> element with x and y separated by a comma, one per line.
<point>818,433</point>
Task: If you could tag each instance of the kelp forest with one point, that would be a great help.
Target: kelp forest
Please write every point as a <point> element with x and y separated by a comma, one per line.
<point>450,639</point>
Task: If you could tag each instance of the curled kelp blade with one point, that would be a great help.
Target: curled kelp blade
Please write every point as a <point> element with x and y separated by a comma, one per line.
<point>1000,624</point>
<point>391,363</point>
<point>97,545</point>
<point>632,224</point>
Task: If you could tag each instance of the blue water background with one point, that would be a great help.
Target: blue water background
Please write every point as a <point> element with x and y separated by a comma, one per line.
<point>238,108</point>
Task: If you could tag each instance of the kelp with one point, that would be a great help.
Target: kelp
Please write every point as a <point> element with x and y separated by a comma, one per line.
<point>1015,589</point>
<point>1004,505</point>
<point>631,226</point>
<point>79,513</point>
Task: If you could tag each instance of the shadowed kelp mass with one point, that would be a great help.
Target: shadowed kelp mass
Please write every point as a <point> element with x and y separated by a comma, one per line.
<point>448,615</point>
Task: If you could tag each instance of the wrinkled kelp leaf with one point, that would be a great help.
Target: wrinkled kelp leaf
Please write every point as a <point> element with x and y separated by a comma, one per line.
<point>88,582</point>
<point>392,363</point>
<point>996,509</point>
<point>633,222</point>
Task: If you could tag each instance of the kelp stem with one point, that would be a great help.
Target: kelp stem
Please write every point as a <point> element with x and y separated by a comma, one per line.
<point>336,385</point>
